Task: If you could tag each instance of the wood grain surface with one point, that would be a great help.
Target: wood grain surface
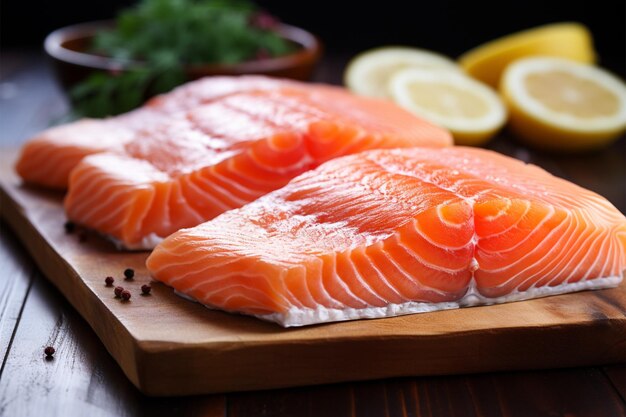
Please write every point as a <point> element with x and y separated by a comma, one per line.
<point>30,101</point>
<point>169,346</point>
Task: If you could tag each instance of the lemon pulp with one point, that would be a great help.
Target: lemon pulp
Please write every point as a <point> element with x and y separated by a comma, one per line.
<point>563,105</point>
<point>469,109</point>
<point>561,91</point>
<point>369,73</point>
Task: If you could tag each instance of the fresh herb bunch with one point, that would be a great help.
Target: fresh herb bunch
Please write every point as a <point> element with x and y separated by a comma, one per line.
<point>158,38</point>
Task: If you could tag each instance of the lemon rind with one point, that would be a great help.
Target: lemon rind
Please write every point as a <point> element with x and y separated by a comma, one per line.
<point>566,39</point>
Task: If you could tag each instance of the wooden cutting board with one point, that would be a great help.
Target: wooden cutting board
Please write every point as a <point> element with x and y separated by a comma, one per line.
<point>170,346</point>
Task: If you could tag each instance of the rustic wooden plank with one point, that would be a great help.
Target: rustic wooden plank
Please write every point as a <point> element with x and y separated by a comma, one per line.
<point>564,392</point>
<point>617,376</point>
<point>17,270</point>
<point>30,99</point>
<point>370,399</point>
<point>577,392</point>
<point>321,400</point>
<point>40,91</point>
<point>68,383</point>
<point>269,404</point>
<point>12,62</point>
<point>332,400</point>
<point>82,379</point>
<point>156,338</point>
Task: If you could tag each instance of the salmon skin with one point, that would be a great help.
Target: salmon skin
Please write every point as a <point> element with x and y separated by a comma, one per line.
<point>48,158</point>
<point>227,153</point>
<point>391,232</point>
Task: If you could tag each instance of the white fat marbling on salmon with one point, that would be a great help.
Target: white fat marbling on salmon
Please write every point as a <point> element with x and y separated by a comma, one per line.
<point>297,317</point>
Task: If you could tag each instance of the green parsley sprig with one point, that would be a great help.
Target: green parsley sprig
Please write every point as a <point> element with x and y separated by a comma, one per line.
<point>157,39</point>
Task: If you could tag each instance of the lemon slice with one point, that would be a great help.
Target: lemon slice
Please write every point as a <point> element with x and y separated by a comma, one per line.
<point>368,73</point>
<point>563,105</point>
<point>565,40</point>
<point>472,111</point>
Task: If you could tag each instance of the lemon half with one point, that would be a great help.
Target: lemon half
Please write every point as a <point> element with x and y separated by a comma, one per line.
<point>368,73</point>
<point>566,40</point>
<point>564,105</point>
<point>472,111</point>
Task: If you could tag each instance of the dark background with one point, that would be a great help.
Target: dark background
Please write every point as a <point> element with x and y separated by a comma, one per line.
<point>450,27</point>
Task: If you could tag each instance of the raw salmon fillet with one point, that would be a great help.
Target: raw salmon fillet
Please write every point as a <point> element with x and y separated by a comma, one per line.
<point>229,152</point>
<point>49,157</point>
<point>390,232</point>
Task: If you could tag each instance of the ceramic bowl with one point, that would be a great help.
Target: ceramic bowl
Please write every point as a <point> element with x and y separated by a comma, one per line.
<point>72,62</point>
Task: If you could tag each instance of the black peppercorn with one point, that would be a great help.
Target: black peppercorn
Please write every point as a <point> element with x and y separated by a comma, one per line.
<point>69,227</point>
<point>49,351</point>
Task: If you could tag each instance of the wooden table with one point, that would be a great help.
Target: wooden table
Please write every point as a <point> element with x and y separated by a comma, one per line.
<point>88,382</point>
